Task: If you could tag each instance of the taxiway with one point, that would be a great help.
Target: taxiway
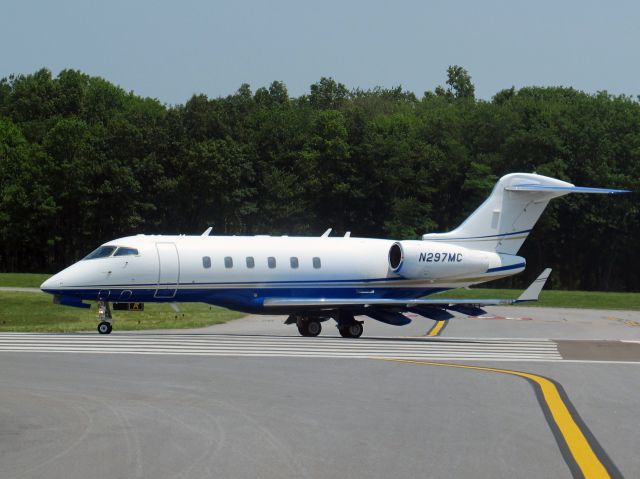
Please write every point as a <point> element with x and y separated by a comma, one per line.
<point>252,399</point>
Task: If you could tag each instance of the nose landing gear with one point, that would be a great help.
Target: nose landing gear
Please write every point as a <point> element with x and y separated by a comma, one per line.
<point>105,318</point>
<point>104,327</point>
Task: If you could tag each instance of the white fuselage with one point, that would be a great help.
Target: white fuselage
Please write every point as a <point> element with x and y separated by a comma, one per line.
<point>241,271</point>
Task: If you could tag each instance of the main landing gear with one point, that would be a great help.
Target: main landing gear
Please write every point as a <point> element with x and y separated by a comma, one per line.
<point>348,326</point>
<point>308,326</point>
<point>311,326</point>
<point>353,330</point>
<point>105,318</point>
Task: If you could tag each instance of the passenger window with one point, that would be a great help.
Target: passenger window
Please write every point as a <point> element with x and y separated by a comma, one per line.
<point>250,262</point>
<point>316,263</point>
<point>228,262</point>
<point>271,262</point>
<point>206,262</point>
<point>294,262</point>
<point>122,251</point>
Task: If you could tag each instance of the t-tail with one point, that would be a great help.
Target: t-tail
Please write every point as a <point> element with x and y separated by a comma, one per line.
<point>503,222</point>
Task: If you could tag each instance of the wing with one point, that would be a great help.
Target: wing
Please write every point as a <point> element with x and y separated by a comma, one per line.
<point>462,305</point>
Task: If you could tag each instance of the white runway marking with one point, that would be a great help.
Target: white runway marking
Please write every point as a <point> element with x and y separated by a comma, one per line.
<point>284,346</point>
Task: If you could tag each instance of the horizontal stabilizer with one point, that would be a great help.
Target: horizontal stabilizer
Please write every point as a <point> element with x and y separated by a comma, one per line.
<point>534,289</point>
<point>565,189</point>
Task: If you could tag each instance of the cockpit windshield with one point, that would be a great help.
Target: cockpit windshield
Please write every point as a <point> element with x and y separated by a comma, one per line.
<point>101,252</point>
<point>106,251</point>
<point>123,251</point>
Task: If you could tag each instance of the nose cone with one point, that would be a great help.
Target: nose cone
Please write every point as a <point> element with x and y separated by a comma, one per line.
<point>52,284</point>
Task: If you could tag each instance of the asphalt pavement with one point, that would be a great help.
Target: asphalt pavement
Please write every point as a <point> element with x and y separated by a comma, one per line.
<point>493,397</point>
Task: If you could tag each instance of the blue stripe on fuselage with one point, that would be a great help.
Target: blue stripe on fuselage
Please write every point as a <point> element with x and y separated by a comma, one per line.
<point>242,299</point>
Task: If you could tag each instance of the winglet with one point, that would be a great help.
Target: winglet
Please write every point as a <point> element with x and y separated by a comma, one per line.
<point>533,291</point>
<point>207,231</point>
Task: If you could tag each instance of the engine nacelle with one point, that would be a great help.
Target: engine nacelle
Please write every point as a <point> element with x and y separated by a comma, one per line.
<point>437,260</point>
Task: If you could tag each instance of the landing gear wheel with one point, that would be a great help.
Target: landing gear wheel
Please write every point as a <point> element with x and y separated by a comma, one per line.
<point>302,328</point>
<point>104,327</point>
<point>314,328</point>
<point>309,327</point>
<point>356,330</point>
<point>353,330</point>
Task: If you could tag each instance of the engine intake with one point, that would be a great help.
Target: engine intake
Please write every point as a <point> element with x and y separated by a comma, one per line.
<point>395,256</point>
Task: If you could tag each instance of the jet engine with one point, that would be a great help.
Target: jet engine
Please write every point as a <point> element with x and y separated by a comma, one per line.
<point>436,260</point>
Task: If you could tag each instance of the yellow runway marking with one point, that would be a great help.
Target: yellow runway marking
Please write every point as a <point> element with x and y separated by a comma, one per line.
<point>579,447</point>
<point>437,328</point>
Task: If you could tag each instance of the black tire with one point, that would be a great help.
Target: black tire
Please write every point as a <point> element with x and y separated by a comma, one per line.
<point>104,327</point>
<point>344,331</point>
<point>355,330</point>
<point>303,328</point>
<point>313,328</point>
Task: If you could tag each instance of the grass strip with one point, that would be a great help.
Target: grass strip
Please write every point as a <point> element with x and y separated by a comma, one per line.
<point>23,280</point>
<point>29,312</point>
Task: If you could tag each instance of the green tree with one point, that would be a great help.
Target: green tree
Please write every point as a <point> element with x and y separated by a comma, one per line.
<point>459,82</point>
<point>27,205</point>
<point>328,94</point>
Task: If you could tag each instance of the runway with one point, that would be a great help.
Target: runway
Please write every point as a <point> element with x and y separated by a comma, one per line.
<point>252,399</point>
<point>284,346</point>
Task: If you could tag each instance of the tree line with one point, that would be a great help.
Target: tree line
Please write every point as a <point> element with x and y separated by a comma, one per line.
<point>83,161</point>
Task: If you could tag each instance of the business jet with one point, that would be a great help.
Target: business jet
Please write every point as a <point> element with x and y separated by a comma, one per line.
<point>315,279</point>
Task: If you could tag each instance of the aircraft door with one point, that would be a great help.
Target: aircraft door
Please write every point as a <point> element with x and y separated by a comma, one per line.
<point>168,270</point>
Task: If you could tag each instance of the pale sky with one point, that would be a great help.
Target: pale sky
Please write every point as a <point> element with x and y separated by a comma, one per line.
<point>172,49</point>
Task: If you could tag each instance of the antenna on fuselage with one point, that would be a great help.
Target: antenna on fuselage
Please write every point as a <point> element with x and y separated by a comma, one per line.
<point>347,234</point>
<point>207,231</point>
<point>326,233</point>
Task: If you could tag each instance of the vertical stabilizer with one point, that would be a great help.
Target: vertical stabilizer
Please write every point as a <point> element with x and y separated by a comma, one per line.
<point>503,222</point>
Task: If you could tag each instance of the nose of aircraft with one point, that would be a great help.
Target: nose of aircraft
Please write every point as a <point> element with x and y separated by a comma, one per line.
<point>52,283</point>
